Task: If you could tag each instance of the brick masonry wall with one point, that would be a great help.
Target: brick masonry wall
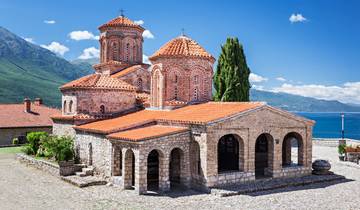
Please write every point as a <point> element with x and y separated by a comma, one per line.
<point>133,78</point>
<point>8,134</point>
<point>89,101</point>
<point>186,69</point>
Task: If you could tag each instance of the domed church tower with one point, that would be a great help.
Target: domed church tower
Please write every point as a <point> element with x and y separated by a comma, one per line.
<point>120,45</point>
<point>181,73</point>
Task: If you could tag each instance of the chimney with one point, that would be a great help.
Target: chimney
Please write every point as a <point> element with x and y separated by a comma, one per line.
<point>38,101</point>
<point>27,105</point>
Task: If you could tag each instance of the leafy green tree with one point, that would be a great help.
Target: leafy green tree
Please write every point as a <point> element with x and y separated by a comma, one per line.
<point>34,141</point>
<point>231,79</point>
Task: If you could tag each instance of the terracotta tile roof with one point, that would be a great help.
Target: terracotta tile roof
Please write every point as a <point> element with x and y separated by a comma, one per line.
<point>192,114</point>
<point>13,116</point>
<point>121,21</point>
<point>98,81</point>
<point>129,70</point>
<point>80,117</point>
<point>145,133</point>
<point>182,46</point>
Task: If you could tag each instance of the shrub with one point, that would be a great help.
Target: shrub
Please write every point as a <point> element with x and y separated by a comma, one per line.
<point>34,140</point>
<point>341,148</point>
<point>15,141</point>
<point>27,149</point>
<point>60,147</point>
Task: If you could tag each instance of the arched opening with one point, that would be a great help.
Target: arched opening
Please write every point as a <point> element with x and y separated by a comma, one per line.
<point>292,150</point>
<point>102,109</point>
<point>228,153</point>
<point>153,170</point>
<point>70,106</point>
<point>176,158</point>
<point>129,170</point>
<point>263,155</point>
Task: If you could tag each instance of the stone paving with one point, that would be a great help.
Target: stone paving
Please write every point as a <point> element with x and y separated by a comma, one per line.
<point>23,187</point>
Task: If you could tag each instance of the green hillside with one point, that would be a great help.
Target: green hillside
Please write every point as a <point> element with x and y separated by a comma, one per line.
<point>27,70</point>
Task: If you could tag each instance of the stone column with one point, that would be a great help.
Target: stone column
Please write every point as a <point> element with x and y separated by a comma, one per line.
<point>185,174</point>
<point>127,168</point>
<point>140,172</point>
<point>164,179</point>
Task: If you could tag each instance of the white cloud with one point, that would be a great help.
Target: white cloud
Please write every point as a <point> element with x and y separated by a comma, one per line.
<point>90,52</point>
<point>82,35</point>
<point>49,21</point>
<point>146,59</point>
<point>258,87</point>
<point>139,22</point>
<point>29,39</point>
<point>254,78</point>
<point>294,18</point>
<point>56,47</point>
<point>347,93</point>
<point>281,79</point>
<point>147,34</point>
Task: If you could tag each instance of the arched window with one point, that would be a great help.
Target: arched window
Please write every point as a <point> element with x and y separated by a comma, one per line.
<point>196,94</point>
<point>176,93</point>
<point>70,106</point>
<point>196,79</point>
<point>102,109</point>
<point>114,51</point>
<point>139,84</point>
<point>127,51</point>
<point>176,79</point>
<point>64,106</point>
<point>228,153</point>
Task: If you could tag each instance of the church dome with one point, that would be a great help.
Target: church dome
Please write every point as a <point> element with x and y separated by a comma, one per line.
<point>182,46</point>
<point>121,21</point>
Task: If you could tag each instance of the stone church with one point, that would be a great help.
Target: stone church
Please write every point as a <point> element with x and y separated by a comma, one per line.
<point>154,127</point>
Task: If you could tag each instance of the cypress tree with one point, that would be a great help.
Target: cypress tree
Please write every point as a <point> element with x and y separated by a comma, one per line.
<point>231,79</point>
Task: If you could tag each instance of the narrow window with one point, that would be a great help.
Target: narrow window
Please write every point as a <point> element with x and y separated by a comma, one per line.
<point>70,106</point>
<point>127,51</point>
<point>140,84</point>
<point>102,109</point>
<point>196,94</point>
<point>115,51</point>
<point>196,79</point>
<point>64,107</point>
<point>175,93</point>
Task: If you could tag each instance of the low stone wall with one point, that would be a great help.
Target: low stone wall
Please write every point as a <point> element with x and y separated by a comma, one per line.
<point>333,142</point>
<point>46,166</point>
<point>234,177</point>
<point>292,171</point>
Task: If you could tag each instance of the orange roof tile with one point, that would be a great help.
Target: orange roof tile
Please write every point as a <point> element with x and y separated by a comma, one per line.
<point>121,21</point>
<point>145,133</point>
<point>98,81</point>
<point>182,46</point>
<point>193,114</point>
<point>13,115</point>
<point>129,70</point>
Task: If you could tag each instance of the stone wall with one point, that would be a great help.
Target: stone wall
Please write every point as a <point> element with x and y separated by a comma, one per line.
<point>139,78</point>
<point>46,166</point>
<point>63,128</point>
<point>8,134</point>
<point>95,150</point>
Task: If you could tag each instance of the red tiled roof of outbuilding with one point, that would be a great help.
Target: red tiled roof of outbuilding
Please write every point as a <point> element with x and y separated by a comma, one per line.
<point>14,116</point>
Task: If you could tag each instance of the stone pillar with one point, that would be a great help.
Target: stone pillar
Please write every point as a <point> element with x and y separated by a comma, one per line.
<point>116,161</point>
<point>140,172</point>
<point>185,175</point>
<point>164,179</point>
<point>127,169</point>
<point>286,149</point>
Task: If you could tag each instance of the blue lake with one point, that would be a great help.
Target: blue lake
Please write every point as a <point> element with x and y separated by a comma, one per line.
<point>328,125</point>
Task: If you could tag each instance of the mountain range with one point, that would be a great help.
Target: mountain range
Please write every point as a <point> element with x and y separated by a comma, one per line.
<point>28,70</point>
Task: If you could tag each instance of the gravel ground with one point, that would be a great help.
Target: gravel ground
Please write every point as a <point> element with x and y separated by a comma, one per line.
<point>23,187</point>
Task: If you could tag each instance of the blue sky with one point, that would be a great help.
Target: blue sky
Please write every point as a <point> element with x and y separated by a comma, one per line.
<point>316,54</point>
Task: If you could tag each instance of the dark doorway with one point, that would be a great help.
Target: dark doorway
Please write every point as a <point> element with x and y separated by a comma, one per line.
<point>175,168</point>
<point>261,155</point>
<point>228,154</point>
<point>153,170</point>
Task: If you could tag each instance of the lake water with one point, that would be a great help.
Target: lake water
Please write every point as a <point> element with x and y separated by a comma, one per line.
<point>328,125</point>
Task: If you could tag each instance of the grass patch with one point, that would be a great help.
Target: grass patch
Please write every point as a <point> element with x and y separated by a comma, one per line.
<point>10,150</point>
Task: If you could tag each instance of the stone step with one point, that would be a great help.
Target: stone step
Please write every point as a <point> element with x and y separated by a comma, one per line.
<point>88,171</point>
<point>80,174</point>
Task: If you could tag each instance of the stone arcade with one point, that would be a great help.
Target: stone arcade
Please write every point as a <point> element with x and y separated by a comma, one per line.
<point>153,127</point>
